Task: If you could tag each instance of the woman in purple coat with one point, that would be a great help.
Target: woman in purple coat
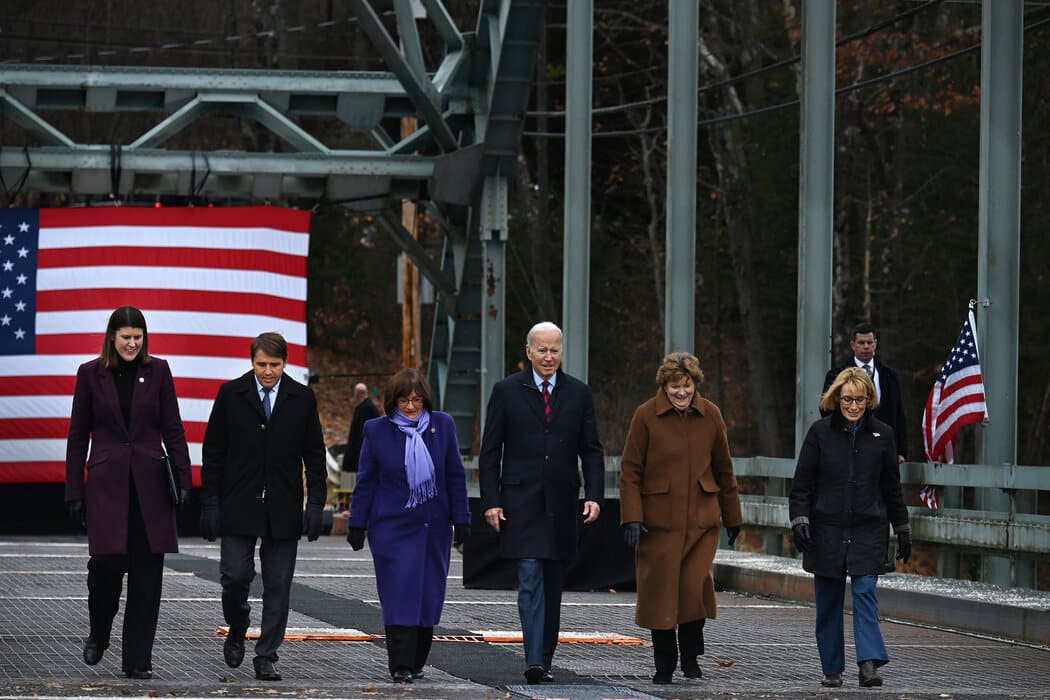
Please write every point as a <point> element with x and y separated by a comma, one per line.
<point>123,406</point>
<point>411,498</point>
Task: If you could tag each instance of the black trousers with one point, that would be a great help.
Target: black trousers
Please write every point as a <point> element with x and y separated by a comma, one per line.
<point>105,581</point>
<point>407,648</point>
<point>236,571</point>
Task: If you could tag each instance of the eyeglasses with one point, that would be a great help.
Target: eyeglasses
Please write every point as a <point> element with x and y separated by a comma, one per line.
<point>859,400</point>
<point>414,400</point>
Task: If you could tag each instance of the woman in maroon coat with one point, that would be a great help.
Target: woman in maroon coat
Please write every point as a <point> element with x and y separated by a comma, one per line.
<point>124,405</point>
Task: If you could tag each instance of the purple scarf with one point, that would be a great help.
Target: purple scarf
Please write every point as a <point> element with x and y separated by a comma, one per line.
<point>419,465</point>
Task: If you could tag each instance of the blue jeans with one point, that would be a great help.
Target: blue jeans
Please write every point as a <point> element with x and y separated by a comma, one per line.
<point>539,607</point>
<point>830,596</point>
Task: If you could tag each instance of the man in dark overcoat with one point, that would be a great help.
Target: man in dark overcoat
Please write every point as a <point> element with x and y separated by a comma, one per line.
<point>540,424</point>
<point>887,384</point>
<point>364,410</point>
<point>263,430</point>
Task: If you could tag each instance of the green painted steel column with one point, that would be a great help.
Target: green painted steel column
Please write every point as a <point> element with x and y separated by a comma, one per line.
<point>576,276</point>
<point>493,230</point>
<point>999,258</point>
<point>816,184</point>
<point>680,284</point>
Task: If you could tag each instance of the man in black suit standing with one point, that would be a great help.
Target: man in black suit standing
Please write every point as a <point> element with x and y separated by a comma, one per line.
<point>262,431</point>
<point>364,411</point>
<point>539,422</point>
<point>887,384</point>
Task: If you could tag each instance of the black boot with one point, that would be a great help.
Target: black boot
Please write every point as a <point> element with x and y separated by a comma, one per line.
<point>665,654</point>
<point>869,677</point>
<point>691,645</point>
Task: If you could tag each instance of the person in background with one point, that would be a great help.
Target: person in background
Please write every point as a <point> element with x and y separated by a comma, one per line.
<point>364,411</point>
<point>263,431</point>
<point>676,487</point>
<point>888,390</point>
<point>540,428</point>
<point>411,501</point>
<point>845,494</point>
<point>124,406</point>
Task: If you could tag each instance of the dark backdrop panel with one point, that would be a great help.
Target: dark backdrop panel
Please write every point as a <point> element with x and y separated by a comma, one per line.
<point>40,509</point>
<point>603,561</point>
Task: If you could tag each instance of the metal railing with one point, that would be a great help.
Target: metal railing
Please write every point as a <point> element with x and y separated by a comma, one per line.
<point>1012,534</point>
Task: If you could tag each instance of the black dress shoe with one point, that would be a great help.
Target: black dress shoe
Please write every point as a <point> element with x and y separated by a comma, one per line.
<point>662,678</point>
<point>402,675</point>
<point>233,647</point>
<point>534,674</point>
<point>142,674</point>
<point>417,673</point>
<point>691,668</point>
<point>93,651</point>
<point>266,670</point>
<point>832,680</point>
<point>869,677</point>
<point>548,677</point>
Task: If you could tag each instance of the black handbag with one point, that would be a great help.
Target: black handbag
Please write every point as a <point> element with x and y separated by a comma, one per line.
<point>169,471</point>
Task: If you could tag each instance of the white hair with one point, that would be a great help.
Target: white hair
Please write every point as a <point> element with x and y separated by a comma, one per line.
<point>541,327</point>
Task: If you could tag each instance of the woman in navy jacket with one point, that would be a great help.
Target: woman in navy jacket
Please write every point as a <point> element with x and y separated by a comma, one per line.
<point>124,405</point>
<point>411,498</point>
<point>845,494</point>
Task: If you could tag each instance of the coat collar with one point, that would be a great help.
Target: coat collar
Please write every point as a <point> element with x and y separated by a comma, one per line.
<point>245,386</point>
<point>534,398</point>
<point>663,404</point>
<point>839,423</point>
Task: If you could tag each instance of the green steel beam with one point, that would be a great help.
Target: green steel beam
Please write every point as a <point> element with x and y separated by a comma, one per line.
<point>999,252</point>
<point>408,34</point>
<point>421,92</point>
<point>31,122</point>
<point>56,84</point>
<point>680,226</point>
<point>576,245</point>
<point>430,268</point>
<point>816,204</point>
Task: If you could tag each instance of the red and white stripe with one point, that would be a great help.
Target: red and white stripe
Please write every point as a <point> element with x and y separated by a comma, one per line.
<point>208,281</point>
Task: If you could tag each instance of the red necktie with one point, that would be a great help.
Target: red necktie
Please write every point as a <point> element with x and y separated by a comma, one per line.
<point>547,400</point>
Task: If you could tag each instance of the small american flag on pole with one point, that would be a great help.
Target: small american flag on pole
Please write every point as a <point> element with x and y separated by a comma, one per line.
<point>207,279</point>
<point>957,397</point>
<point>928,495</point>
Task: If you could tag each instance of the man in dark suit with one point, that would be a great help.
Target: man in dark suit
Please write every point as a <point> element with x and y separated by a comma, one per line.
<point>887,384</point>
<point>539,422</point>
<point>364,411</point>
<point>263,430</point>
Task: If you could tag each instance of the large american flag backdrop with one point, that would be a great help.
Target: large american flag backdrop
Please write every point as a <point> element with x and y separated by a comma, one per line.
<point>207,279</point>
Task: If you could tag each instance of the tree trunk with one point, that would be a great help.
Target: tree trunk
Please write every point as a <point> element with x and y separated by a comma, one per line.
<point>731,162</point>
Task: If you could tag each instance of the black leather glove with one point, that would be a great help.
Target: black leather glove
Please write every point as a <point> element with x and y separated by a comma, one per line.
<point>184,495</point>
<point>732,533</point>
<point>76,513</point>
<point>356,537</point>
<point>312,519</point>
<point>632,533</point>
<point>460,535</point>
<point>803,542</point>
<point>904,545</point>
<point>210,527</point>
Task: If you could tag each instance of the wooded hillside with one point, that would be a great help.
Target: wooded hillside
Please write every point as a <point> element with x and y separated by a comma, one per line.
<point>905,205</point>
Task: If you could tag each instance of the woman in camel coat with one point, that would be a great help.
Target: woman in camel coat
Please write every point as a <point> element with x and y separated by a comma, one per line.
<point>676,488</point>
